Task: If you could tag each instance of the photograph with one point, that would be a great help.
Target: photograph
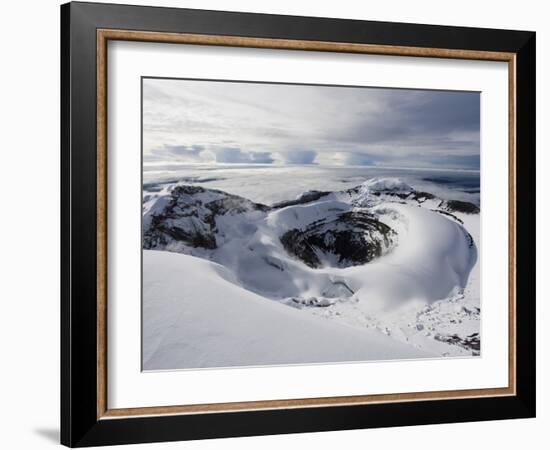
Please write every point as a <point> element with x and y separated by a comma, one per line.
<point>289,224</point>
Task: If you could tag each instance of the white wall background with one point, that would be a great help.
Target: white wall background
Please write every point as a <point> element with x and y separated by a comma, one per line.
<point>29,223</point>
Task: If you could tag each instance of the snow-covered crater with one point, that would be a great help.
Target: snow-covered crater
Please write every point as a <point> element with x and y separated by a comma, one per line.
<point>380,256</point>
<point>372,236</point>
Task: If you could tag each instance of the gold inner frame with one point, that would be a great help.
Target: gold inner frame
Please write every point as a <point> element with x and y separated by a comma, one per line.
<point>104,35</point>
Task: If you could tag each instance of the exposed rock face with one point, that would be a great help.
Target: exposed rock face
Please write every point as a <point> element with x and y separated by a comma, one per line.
<point>190,217</point>
<point>420,197</point>
<point>306,197</point>
<point>471,342</point>
<point>351,239</point>
<point>459,206</point>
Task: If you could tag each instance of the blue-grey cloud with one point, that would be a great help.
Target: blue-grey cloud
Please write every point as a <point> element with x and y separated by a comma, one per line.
<point>191,153</point>
<point>237,156</point>
<point>186,150</point>
<point>300,157</point>
<point>359,159</point>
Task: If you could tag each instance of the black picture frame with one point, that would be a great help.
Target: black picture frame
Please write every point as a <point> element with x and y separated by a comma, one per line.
<point>80,425</point>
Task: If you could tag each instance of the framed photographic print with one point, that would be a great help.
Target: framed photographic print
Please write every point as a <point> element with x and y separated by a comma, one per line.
<point>277,224</point>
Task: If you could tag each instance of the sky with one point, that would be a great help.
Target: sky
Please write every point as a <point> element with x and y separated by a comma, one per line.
<point>213,122</point>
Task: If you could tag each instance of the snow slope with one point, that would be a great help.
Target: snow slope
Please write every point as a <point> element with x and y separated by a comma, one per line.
<point>419,284</point>
<point>204,320</point>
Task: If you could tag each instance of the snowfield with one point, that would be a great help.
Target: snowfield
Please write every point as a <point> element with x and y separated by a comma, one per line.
<point>204,320</point>
<point>377,271</point>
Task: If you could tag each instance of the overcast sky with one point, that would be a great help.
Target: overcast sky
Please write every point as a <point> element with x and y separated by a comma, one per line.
<point>191,121</point>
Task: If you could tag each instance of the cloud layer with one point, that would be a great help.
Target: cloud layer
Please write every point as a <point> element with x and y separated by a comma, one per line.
<point>192,121</point>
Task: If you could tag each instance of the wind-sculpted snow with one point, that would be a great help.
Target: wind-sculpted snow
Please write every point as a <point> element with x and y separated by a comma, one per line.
<point>362,255</point>
<point>205,321</point>
<point>387,185</point>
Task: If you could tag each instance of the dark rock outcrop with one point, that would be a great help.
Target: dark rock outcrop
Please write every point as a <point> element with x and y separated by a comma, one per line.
<point>471,342</point>
<point>190,217</point>
<point>306,197</point>
<point>459,206</point>
<point>350,239</point>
